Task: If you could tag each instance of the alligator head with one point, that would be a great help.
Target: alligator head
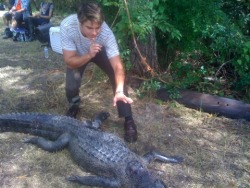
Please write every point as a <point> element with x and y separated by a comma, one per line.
<point>140,177</point>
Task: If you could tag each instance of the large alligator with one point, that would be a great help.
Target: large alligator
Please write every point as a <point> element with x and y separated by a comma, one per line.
<point>98,152</point>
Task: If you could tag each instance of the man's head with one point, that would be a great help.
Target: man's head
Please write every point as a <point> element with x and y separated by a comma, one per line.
<point>90,11</point>
<point>90,17</point>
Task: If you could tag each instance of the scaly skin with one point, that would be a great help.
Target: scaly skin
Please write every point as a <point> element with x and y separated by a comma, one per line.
<point>101,153</point>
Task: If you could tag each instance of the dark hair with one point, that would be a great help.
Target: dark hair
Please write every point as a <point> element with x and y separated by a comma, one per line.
<point>90,11</point>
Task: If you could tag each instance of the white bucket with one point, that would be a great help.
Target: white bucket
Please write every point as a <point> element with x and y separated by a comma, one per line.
<point>54,33</point>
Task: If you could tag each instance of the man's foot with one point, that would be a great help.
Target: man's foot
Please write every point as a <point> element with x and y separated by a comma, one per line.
<point>6,37</point>
<point>30,39</point>
<point>73,111</point>
<point>130,134</point>
<point>7,33</point>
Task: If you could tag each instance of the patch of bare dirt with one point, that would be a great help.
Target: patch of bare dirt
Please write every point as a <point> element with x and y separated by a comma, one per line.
<point>216,149</point>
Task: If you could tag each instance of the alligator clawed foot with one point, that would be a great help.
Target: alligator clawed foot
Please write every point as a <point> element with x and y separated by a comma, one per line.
<point>102,116</point>
<point>97,121</point>
<point>80,180</point>
<point>177,159</point>
<point>151,156</point>
<point>73,178</point>
<point>30,140</point>
<point>170,159</point>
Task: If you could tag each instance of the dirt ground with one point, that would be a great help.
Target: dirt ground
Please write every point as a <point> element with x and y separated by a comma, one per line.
<point>216,149</point>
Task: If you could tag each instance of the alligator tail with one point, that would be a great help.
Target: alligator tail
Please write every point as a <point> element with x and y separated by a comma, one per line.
<point>43,125</point>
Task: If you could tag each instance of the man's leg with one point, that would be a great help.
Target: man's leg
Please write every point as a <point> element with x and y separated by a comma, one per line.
<point>6,20</point>
<point>124,109</point>
<point>73,83</point>
<point>30,21</point>
<point>16,19</point>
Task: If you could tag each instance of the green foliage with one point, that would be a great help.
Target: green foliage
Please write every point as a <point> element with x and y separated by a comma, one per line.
<point>185,75</point>
<point>145,16</point>
<point>195,38</point>
<point>173,91</point>
<point>200,32</point>
<point>125,56</point>
<point>148,88</point>
<point>207,31</point>
<point>242,66</point>
<point>226,42</point>
<point>239,13</point>
<point>67,7</point>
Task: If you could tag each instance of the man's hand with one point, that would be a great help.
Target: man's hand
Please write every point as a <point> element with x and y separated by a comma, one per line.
<point>12,12</point>
<point>94,49</point>
<point>121,97</point>
<point>37,15</point>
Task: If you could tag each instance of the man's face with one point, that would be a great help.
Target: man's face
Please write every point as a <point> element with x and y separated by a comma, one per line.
<point>90,29</point>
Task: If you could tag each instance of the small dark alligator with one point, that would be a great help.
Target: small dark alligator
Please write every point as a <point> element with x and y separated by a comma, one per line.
<point>101,153</point>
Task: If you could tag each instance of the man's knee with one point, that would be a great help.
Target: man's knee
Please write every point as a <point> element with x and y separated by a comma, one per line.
<point>72,95</point>
<point>7,16</point>
<point>72,89</point>
<point>18,17</point>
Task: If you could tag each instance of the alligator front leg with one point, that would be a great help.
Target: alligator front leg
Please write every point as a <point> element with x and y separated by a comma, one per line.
<point>151,156</point>
<point>51,146</point>
<point>96,181</point>
<point>97,121</point>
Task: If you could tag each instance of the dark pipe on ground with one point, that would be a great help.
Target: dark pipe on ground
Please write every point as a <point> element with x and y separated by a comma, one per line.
<point>209,103</point>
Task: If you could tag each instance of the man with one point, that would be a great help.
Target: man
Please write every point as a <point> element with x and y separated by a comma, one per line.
<point>7,17</point>
<point>85,38</point>
<point>43,17</point>
<point>18,13</point>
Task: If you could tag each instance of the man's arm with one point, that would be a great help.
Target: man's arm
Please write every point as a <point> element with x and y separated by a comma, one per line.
<point>21,10</point>
<point>73,60</point>
<point>117,65</point>
<point>51,9</point>
<point>43,16</point>
<point>25,7</point>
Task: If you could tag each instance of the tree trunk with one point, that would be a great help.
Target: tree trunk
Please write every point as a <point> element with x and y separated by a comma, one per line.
<point>144,57</point>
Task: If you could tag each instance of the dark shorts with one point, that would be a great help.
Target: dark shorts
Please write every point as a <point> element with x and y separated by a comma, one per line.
<point>38,21</point>
<point>8,16</point>
<point>18,17</point>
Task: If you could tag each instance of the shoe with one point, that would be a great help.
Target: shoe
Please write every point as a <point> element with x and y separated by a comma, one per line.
<point>6,37</point>
<point>73,111</point>
<point>7,33</point>
<point>130,134</point>
<point>30,39</point>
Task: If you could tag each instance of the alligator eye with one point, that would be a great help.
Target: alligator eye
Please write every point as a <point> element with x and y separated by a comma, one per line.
<point>159,184</point>
<point>134,167</point>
